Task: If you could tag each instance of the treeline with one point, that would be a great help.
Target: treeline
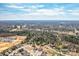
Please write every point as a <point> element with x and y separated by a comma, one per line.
<point>36,37</point>
<point>4,31</point>
<point>71,38</point>
<point>41,38</point>
<point>14,32</point>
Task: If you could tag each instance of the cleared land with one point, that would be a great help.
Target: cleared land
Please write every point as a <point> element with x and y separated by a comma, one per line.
<point>6,45</point>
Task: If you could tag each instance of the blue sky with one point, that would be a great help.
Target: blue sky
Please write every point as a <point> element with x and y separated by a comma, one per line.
<point>39,11</point>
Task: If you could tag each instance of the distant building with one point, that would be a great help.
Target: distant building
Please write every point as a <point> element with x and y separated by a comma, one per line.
<point>76,31</point>
<point>18,26</point>
<point>23,26</point>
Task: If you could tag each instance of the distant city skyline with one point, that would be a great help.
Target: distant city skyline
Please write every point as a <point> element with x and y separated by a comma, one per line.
<point>39,11</point>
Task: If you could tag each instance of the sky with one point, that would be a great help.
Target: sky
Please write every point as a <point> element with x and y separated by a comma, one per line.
<point>39,11</point>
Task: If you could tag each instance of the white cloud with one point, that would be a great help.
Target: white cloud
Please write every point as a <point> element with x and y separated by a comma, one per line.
<point>37,6</point>
<point>25,9</point>
<point>35,17</point>
<point>15,6</point>
<point>35,13</point>
<point>50,12</point>
<point>55,13</point>
<point>33,10</point>
<point>73,12</point>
